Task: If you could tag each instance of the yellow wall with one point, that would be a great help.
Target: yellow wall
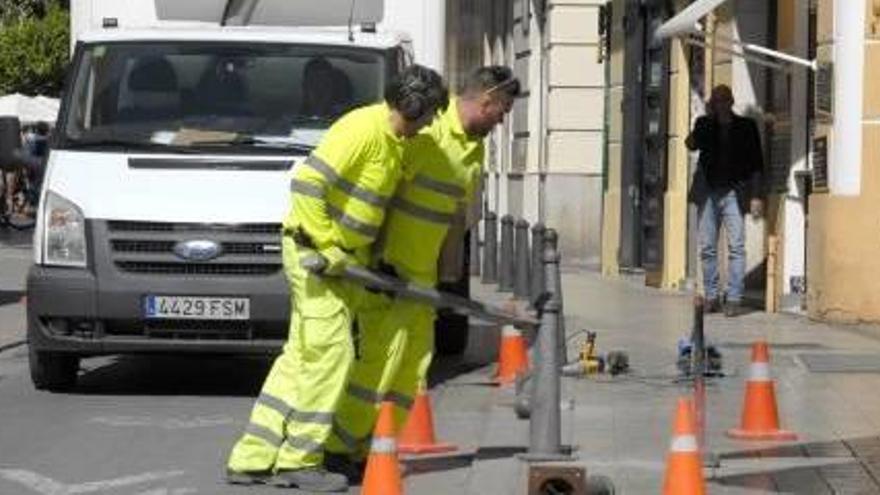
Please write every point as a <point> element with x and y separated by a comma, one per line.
<point>843,264</point>
<point>612,196</point>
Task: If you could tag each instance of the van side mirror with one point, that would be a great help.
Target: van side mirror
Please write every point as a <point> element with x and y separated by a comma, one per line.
<point>10,143</point>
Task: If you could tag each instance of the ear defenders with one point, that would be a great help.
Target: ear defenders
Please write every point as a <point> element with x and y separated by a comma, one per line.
<point>413,98</point>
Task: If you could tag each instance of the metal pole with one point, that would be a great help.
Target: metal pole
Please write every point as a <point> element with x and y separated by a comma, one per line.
<point>551,239</point>
<point>537,278</point>
<point>545,432</point>
<point>506,275</point>
<point>521,286</point>
<point>490,251</point>
<point>475,251</point>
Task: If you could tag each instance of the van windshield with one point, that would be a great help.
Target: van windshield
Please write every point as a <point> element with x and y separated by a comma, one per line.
<point>193,94</point>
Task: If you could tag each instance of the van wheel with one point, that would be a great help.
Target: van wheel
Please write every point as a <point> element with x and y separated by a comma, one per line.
<point>451,329</point>
<point>451,334</point>
<point>53,371</point>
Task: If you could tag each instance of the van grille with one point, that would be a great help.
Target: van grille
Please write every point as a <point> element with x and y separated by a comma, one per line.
<point>148,248</point>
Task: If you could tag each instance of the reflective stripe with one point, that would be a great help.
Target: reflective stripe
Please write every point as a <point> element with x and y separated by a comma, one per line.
<point>302,187</point>
<point>346,437</point>
<point>363,393</point>
<point>334,178</point>
<point>439,187</point>
<point>422,213</point>
<point>264,434</point>
<point>304,444</point>
<point>403,401</point>
<point>354,224</point>
<point>684,443</point>
<point>759,372</point>
<point>291,414</point>
<point>275,404</point>
<point>383,445</point>
<point>311,260</point>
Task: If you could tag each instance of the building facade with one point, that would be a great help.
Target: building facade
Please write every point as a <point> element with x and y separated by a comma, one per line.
<point>803,70</point>
<point>546,163</point>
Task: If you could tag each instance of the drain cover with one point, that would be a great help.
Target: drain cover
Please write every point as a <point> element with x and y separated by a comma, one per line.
<point>842,363</point>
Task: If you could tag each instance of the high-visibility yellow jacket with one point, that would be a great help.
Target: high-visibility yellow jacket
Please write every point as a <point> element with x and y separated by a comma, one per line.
<point>341,191</point>
<point>448,166</point>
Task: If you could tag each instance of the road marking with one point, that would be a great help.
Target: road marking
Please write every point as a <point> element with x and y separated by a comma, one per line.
<point>47,486</point>
<point>173,491</point>
<point>168,424</point>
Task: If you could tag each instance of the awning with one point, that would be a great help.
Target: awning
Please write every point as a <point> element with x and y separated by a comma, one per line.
<point>686,24</point>
<point>687,21</point>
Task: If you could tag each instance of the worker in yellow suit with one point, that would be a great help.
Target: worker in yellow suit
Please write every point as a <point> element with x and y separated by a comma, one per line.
<point>339,197</point>
<point>397,338</point>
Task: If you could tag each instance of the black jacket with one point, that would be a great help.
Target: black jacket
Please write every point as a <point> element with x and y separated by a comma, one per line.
<point>738,165</point>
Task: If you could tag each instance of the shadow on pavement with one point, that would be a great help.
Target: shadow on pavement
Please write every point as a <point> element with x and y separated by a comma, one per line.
<point>459,460</point>
<point>842,466</point>
<point>10,297</point>
<point>174,375</point>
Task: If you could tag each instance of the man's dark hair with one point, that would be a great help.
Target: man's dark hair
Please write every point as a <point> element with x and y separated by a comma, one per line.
<point>490,79</point>
<point>416,91</point>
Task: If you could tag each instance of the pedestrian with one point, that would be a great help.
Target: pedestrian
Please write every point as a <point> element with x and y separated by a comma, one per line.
<point>339,195</point>
<point>727,182</point>
<point>397,338</point>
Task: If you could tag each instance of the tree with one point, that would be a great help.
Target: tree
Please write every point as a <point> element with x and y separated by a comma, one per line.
<point>34,48</point>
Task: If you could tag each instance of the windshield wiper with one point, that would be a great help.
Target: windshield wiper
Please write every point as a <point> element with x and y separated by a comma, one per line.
<point>126,144</point>
<point>248,140</point>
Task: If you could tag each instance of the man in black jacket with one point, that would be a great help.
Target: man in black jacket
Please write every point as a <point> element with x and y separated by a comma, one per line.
<point>728,179</point>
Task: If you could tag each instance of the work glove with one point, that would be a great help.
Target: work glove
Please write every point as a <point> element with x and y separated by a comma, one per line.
<point>337,260</point>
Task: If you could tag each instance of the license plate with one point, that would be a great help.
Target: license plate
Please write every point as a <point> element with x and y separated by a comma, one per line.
<point>197,308</point>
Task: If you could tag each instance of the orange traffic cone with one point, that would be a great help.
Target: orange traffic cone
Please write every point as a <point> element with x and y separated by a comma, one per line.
<point>684,466</point>
<point>760,418</point>
<point>512,355</point>
<point>417,436</point>
<point>383,473</point>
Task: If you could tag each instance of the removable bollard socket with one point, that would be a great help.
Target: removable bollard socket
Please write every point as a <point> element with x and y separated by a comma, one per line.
<point>552,480</point>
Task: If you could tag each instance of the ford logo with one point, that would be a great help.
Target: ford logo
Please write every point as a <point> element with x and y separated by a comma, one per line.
<point>197,250</point>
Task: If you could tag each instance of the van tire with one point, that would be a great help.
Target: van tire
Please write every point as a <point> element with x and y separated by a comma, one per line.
<point>53,371</point>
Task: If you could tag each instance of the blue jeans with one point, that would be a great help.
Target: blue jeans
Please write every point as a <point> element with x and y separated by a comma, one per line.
<point>722,206</point>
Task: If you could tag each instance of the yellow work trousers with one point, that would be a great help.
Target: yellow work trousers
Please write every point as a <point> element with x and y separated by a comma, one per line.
<point>395,347</point>
<point>293,416</point>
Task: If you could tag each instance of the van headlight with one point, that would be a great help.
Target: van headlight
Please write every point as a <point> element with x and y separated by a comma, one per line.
<point>64,234</point>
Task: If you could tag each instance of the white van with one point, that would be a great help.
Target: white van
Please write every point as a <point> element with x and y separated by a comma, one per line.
<point>159,221</point>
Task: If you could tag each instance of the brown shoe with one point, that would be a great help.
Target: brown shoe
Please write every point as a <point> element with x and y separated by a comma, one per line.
<point>712,306</point>
<point>734,309</point>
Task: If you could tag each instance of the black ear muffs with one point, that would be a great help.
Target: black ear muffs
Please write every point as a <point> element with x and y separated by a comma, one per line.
<point>414,100</point>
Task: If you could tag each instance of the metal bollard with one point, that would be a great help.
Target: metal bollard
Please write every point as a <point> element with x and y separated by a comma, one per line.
<point>551,239</point>
<point>474,248</point>
<point>490,249</point>
<point>521,287</point>
<point>537,277</point>
<point>545,433</point>
<point>506,268</point>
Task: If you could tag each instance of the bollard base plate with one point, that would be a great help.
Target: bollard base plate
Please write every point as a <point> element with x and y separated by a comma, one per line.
<point>567,454</point>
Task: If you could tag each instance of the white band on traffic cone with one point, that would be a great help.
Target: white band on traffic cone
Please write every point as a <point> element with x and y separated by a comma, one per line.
<point>759,372</point>
<point>383,445</point>
<point>510,331</point>
<point>684,443</point>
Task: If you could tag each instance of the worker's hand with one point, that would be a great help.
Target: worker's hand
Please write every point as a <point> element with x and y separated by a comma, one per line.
<point>337,260</point>
<point>756,208</point>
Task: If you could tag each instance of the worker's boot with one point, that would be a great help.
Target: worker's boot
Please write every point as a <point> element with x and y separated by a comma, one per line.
<point>248,477</point>
<point>347,466</point>
<point>311,479</point>
<point>712,305</point>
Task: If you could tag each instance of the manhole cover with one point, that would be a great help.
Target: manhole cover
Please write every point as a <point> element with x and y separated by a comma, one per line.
<point>842,363</point>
